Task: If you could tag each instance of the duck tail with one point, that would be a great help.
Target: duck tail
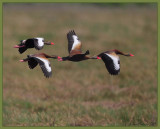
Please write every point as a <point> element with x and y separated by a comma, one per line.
<point>87,52</point>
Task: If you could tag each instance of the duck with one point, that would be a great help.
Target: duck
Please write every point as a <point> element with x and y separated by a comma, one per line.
<point>41,59</point>
<point>75,49</point>
<point>36,43</point>
<point>112,60</point>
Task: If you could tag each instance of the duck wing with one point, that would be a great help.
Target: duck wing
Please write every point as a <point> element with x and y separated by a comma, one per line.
<point>74,44</point>
<point>29,43</point>
<point>112,63</point>
<point>45,66</point>
<point>32,63</point>
<point>22,49</point>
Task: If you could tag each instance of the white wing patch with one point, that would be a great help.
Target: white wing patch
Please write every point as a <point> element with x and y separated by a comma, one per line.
<point>115,61</point>
<point>23,41</point>
<point>40,41</point>
<point>76,42</point>
<point>46,64</point>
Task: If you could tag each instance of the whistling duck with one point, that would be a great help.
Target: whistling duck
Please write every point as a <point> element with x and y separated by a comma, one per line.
<point>112,61</point>
<point>42,60</point>
<point>36,43</point>
<point>74,49</point>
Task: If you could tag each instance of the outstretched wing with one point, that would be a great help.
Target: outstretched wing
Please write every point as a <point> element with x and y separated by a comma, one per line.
<point>45,66</point>
<point>74,44</point>
<point>112,63</point>
<point>38,43</point>
<point>29,43</point>
<point>32,63</point>
<point>22,49</point>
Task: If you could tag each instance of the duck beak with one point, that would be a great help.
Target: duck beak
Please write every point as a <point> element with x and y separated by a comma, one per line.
<point>131,55</point>
<point>52,43</point>
<point>60,58</point>
<point>98,57</point>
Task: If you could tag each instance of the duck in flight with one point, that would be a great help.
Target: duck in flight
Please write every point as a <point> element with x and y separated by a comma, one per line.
<point>42,60</point>
<point>110,57</point>
<point>36,43</point>
<point>112,61</point>
<point>74,49</point>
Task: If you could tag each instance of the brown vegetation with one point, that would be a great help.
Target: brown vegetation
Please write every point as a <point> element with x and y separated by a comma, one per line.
<point>81,94</point>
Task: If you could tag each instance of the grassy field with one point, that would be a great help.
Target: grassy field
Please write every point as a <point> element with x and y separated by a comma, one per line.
<point>83,93</point>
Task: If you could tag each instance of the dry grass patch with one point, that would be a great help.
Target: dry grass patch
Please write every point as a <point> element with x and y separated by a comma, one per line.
<point>83,93</point>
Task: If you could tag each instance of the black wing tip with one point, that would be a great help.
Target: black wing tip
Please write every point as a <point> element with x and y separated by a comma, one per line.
<point>30,67</point>
<point>20,51</point>
<point>114,74</point>
<point>48,76</point>
<point>71,32</point>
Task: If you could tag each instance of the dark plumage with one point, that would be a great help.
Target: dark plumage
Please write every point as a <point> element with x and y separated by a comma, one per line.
<point>36,43</point>
<point>112,61</point>
<point>74,49</point>
<point>42,60</point>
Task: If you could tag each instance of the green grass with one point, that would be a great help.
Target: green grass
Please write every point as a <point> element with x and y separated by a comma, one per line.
<point>83,93</point>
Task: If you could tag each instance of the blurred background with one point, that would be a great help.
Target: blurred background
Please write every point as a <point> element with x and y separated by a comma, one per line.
<point>83,93</point>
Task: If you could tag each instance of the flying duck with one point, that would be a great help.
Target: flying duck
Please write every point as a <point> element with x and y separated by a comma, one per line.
<point>74,49</point>
<point>42,60</point>
<point>112,61</point>
<point>36,43</point>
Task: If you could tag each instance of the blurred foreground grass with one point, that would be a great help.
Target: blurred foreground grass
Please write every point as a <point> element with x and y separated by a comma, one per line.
<point>81,94</point>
